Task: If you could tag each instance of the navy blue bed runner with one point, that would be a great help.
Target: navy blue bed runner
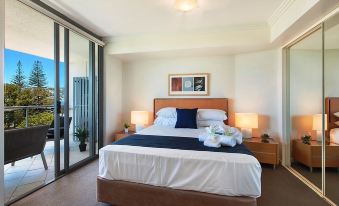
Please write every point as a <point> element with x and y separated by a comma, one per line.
<point>183,143</point>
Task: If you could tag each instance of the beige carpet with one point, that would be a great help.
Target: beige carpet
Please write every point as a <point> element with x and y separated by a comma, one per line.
<point>279,187</point>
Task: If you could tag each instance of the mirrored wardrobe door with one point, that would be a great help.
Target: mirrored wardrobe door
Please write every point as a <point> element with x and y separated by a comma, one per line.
<point>331,95</point>
<point>305,106</point>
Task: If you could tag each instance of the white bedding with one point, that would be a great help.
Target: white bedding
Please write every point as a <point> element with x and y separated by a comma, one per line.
<point>212,172</point>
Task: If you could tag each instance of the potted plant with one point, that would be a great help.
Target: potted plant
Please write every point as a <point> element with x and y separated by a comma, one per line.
<point>264,138</point>
<point>126,126</point>
<point>81,134</point>
<point>306,139</point>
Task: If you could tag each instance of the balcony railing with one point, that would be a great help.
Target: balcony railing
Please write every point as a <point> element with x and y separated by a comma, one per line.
<point>27,108</point>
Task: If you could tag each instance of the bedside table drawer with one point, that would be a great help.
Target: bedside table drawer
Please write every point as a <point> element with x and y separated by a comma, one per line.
<point>261,147</point>
<point>269,158</point>
<point>265,152</point>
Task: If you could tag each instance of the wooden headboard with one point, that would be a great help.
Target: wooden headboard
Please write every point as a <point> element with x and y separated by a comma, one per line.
<point>331,106</point>
<point>190,103</point>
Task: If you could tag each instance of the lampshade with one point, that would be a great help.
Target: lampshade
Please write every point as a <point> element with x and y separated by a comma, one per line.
<point>185,5</point>
<point>246,120</point>
<point>317,122</point>
<point>139,117</point>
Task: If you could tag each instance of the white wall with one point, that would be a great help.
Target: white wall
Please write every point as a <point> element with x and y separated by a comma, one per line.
<point>250,81</point>
<point>306,86</point>
<point>305,90</point>
<point>145,80</point>
<point>256,89</point>
<point>112,97</point>
<point>2,46</point>
<point>332,73</point>
<point>305,82</point>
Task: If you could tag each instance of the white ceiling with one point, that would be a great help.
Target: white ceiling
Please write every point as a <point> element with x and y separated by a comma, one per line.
<point>30,32</point>
<point>137,29</point>
<point>110,18</point>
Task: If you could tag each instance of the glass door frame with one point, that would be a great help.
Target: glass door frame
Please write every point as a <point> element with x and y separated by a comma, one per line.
<point>286,109</point>
<point>92,97</point>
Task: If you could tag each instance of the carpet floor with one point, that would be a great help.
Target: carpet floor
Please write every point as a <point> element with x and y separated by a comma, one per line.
<point>331,178</point>
<point>279,187</point>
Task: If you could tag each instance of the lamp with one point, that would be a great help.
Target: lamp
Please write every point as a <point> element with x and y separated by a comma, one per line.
<point>247,122</point>
<point>185,5</point>
<point>318,125</point>
<point>139,118</point>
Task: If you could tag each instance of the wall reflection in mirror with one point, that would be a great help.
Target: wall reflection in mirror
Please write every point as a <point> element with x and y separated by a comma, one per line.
<point>306,106</point>
<point>314,107</point>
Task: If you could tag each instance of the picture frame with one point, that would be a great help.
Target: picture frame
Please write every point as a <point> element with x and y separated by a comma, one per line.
<point>196,84</point>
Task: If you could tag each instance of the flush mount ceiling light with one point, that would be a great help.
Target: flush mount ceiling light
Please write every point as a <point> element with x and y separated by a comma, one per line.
<point>185,5</point>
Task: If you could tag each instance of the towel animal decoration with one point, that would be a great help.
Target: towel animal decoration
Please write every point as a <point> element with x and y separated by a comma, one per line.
<point>217,136</point>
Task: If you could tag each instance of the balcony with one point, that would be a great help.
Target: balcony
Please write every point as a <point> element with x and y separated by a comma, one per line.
<point>28,174</point>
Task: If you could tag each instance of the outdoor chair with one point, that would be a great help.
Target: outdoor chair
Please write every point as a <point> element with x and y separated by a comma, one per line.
<point>25,142</point>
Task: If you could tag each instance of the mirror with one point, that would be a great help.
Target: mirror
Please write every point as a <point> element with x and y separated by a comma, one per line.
<point>331,93</point>
<point>305,106</point>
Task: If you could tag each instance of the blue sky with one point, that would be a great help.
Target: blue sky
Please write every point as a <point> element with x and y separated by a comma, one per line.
<point>12,57</point>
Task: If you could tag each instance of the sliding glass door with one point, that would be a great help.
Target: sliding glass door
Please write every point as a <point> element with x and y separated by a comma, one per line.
<point>52,80</point>
<point>77,96</point>
<point>80,98</point>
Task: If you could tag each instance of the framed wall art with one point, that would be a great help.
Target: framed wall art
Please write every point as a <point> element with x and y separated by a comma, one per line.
<point>188,84</point>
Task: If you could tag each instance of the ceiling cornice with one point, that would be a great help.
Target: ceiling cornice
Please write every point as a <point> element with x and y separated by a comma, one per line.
<point>232,39</point>
<point>230,29</point>
<point>282,8</point>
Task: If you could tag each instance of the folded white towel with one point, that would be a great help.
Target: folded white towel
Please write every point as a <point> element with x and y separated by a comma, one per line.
<point>238,137</point>
<point>216,136</point>
<point>234,132</point>
<point>212,142</point>
<point>228,141</point>
<point>215,129</point>
<point>202,137</point>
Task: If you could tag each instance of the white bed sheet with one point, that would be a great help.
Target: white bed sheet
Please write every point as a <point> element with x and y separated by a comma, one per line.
<point>228,174</point>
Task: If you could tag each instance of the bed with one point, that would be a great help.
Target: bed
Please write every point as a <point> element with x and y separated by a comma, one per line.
<point>141,175</point>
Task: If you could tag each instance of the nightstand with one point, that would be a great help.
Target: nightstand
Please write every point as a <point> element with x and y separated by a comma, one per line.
<point>310,155</point>
<point>264,152</point>
<point>122,134</point>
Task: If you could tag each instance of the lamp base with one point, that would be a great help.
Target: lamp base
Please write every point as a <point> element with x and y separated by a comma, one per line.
<point>246,133</point>
<point>139,127</point>
<point>319,136</point>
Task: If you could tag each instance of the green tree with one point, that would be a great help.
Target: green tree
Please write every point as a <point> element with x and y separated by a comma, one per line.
<point>19,77</point>
<point>11,95</point>
<point>38,77</point>
<point>38,82</point>
<point>11,98</point>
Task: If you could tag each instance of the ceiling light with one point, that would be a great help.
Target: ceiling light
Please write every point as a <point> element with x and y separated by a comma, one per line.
<point>185,5</point>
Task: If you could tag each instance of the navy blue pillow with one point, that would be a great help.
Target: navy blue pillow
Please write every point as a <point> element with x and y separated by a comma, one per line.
<point>187,118</point>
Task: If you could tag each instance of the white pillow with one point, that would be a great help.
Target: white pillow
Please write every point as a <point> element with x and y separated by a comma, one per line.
<point>336,114</point>
<point>168,112</point>
<point>334,136</point>
<point>211,114</point>
<point>207,123</point>
<point>166,122</point>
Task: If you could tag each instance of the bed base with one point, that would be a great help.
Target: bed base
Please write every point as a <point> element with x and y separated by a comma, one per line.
<point>124,193</point>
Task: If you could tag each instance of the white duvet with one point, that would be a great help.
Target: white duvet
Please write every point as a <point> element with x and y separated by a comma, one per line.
<point>212,172</point>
